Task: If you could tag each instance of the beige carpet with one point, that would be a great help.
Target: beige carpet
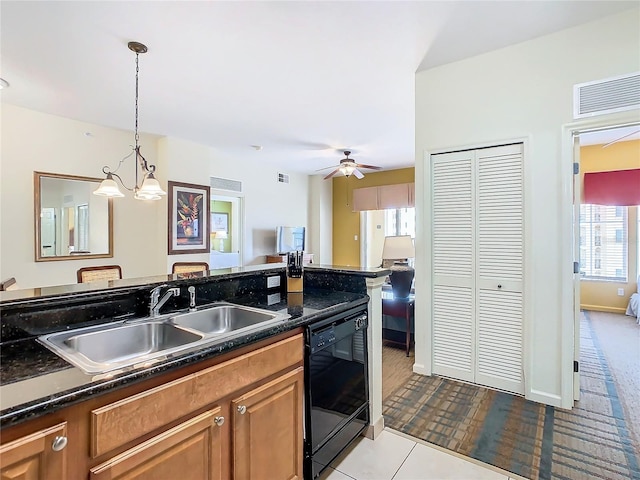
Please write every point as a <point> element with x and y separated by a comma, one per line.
<point>619,337</point>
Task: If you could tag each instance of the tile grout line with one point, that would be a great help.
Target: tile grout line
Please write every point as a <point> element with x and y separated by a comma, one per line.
<point>405,459</point>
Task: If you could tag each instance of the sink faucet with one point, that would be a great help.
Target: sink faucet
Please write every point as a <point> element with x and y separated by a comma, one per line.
<point>157,302</point>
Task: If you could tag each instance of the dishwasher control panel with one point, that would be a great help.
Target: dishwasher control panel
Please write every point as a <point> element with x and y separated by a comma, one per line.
<point>322,339</point>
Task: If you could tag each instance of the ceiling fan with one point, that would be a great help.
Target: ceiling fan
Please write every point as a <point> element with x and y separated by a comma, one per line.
<point>349,167</point>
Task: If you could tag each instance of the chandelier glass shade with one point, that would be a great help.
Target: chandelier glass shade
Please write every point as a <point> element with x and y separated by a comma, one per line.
<point>149,188</point>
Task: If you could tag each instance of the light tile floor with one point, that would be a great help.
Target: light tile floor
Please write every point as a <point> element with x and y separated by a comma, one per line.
<point>393,456</point>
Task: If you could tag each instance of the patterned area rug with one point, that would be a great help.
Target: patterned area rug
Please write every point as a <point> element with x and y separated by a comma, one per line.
<point>535,441</point>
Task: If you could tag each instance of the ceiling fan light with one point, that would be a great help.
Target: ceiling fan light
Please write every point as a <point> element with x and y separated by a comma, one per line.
<point>348,170</point>
<point>108,188</point>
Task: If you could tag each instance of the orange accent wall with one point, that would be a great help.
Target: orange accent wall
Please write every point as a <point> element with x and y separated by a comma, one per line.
<point>603,296</point>
<point>346,223</point>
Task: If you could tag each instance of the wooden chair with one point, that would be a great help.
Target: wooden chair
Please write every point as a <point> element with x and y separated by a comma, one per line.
<point>95,274</point>
<point>9,284</point>
<point>190,267</point>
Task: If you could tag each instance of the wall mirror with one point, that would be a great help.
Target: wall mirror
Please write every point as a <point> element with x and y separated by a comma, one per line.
<point>70,222</point>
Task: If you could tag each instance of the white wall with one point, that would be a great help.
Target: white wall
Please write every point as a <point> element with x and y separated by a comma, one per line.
<point>35,141</point>
<point>523,91</point>
<point>267,203</point>
<point>320,231</point>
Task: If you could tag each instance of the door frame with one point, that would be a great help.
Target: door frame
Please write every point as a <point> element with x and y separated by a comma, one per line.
<point>569,327</point>
<point>238,221</point>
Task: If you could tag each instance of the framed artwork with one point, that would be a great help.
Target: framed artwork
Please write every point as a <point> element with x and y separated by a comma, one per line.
<point>188,218</point>
<point>219,222</point>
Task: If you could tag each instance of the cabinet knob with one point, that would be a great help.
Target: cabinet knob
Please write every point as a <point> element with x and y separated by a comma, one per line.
<point>499,285</point>
<point>219,421</point>
<point>242,409</point>
<point>59,443</point>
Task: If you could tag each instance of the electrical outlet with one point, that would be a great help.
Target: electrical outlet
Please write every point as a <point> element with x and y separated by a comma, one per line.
<point>273,282</point>
<point>273,299</point>
<point>355,237</point>
<point>621,292</point>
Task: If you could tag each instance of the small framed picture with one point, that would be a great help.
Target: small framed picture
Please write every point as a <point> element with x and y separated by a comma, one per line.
<point>219,222</point>
<point>188,218</point>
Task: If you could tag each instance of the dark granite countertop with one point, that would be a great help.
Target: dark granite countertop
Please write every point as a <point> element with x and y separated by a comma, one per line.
<point>97,288</point>
<point>34,381</point>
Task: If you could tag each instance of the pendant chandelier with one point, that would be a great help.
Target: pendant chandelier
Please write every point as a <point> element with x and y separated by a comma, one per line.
<point>149,189</point>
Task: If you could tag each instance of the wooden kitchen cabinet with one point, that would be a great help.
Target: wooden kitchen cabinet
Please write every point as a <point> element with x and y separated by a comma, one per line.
<point>152,430</point>
<point>190,451</point>
<point>267,430</point>
<point>39,456</point>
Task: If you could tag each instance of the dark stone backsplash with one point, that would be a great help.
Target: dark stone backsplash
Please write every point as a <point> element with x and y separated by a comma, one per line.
<point>335,281</point>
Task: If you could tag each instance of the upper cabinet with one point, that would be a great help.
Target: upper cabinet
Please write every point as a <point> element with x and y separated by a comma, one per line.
<point>70,222</point>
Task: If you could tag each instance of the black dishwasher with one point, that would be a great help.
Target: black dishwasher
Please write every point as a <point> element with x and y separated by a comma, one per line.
<point>337,387</point>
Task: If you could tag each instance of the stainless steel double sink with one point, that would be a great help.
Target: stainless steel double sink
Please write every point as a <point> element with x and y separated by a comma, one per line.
<point>112,346</point>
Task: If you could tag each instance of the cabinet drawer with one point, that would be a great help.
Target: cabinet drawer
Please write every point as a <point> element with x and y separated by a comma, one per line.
<point>191,450</point>
<point>118,423</point>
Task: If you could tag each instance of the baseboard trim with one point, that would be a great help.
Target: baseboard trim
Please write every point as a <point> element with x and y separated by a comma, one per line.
<point>544,397</point>
<point>374,429</point>
<point>419,368</point>
<point>600,308</point>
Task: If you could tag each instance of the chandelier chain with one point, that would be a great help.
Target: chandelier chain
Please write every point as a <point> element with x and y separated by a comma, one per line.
<point>136,126</point>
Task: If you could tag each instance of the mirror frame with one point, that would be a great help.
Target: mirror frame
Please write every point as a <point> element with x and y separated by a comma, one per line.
<point>38,208</point>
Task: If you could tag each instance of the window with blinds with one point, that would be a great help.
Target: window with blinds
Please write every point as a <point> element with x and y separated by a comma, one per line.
<point>603,242</point>
<point>400,221</point>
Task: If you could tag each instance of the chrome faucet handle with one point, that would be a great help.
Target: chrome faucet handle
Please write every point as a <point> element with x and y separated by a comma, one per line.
<point>155,297</point>
<point>192,297</point>
<point>155,291</point>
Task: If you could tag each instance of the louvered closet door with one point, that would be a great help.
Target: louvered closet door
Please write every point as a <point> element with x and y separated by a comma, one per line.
<point>500,245</point>
<point>453,259</point>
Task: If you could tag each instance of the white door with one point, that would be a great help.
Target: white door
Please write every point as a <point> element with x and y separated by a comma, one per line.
<point>499,268</point>
<point>478,254</point>
<point>453,265</point>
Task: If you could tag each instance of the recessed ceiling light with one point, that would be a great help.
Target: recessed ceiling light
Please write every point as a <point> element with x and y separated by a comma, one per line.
<point>3,83</point>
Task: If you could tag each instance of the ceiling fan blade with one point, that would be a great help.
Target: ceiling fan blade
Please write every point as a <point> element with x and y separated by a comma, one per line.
<point>332,174</point>
<point>326,168</point>
<point>370,167</point>
<point>357,173</point>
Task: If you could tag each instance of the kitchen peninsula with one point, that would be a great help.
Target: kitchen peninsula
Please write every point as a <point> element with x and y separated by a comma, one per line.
<point>43,396</point>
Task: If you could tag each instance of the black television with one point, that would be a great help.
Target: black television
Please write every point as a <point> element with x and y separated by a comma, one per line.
<point>289,239</point>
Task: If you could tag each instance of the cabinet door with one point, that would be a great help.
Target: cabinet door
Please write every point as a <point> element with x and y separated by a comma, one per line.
<point>33,457</point>
<point>267,430</point>
<point>190,451</point>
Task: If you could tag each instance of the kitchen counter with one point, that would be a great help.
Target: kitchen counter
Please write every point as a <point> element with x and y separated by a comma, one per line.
<point>35,381</point>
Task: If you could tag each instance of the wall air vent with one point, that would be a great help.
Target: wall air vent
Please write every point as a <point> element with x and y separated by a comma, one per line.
<point>616,94</point>
<point>283,178</point>
<point>226,184</point>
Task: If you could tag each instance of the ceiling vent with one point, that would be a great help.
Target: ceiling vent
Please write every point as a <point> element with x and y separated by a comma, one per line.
<point>283,178</point>
<point>616,94</point>
<point>226,184</point>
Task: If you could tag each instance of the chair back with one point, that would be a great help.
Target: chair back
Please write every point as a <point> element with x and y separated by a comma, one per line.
<point>95,274</point>
<point>190,267</point>
<point>8,284</point>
